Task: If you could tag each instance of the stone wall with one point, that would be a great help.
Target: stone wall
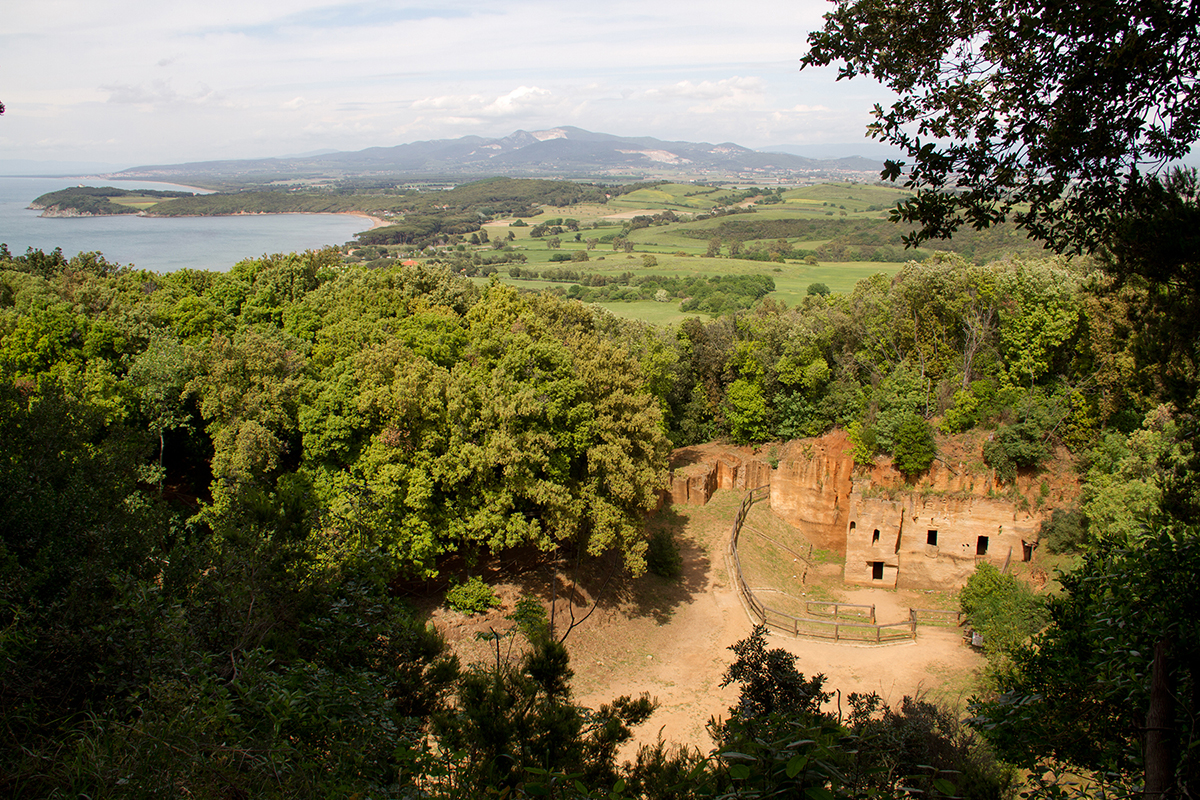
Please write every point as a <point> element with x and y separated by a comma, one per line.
<point>698,471</point>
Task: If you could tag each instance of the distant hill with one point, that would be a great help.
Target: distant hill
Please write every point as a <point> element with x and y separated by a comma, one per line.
<point>564,152</point>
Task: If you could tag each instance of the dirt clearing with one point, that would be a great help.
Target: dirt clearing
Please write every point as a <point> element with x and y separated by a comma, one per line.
<point>670,638</point>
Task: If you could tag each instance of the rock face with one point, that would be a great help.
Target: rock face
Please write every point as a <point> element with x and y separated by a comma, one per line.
<point>698,471</point>
<point>932,542</point>
<point>929,536</point>
<point>811,489</point>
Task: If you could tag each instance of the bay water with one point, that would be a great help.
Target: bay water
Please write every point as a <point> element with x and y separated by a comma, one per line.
<point>166,243</point>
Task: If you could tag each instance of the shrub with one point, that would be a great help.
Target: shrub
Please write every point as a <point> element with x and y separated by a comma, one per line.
<point>1014,447</point>
<point>1002,608</point>
<point>963,415</point>
<point>914,448</point>
<point>864,441</point>
<point>662,556</point>
<point>1065,531</point>
<point>472,597</point>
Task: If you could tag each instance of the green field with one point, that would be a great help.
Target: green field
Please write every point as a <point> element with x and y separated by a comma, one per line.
<point>140,202</point>
<point>791,280</point>
<point>814,234</point>
<point>680,248</point>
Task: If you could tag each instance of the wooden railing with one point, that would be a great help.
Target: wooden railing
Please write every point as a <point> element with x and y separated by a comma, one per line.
<point>936,616</point>
<point>825,620</point>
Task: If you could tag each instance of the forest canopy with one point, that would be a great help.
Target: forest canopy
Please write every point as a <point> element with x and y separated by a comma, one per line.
<point>251,458</point>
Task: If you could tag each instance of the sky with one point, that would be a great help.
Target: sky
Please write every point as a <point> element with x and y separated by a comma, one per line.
<point>139,82</point>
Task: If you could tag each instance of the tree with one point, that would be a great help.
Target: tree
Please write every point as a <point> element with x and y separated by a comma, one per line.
<point>914,448</point>
<point>159,376</point>
<point>1003,609</point>
<point>1126,620</point>
<point>747,412</point>
<point>515,722</point>
<point>1045,113</point>
<point>1015,447</point>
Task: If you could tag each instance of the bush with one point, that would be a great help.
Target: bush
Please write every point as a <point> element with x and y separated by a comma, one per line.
<point>865,442</point>
<point>472,597</point>
<point>914,448</point>
<point>1014,447</point>
<point>1065,531</point>
<point>1002,608</point>
<point>662,556</point>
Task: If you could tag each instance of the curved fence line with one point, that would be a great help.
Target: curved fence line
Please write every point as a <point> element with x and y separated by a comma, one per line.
<point>833,626</point>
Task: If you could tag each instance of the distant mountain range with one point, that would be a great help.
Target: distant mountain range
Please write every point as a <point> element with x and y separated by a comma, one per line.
<point>557,152</point>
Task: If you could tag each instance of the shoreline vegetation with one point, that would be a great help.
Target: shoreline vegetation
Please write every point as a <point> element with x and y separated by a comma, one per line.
<point>88,201</point>
<point>831,235</point>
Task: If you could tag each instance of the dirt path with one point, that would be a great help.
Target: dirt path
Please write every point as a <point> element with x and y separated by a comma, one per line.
<point>670,638</point>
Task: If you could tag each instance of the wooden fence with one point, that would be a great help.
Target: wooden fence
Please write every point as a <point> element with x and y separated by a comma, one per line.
<point>841,622</point>
<point>936,616</point>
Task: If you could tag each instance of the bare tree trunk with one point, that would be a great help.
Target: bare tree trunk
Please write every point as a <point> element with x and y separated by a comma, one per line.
<point>1159,755</point>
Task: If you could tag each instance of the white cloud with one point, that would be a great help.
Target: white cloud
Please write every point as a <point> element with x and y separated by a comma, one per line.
<point>519,100</point>
<point>157,92</point>
<point>521,103</point>
<point>715,97</point>
<point>226,76</point>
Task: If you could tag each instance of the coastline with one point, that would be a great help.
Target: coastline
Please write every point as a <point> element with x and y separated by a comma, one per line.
<point>376,222</point>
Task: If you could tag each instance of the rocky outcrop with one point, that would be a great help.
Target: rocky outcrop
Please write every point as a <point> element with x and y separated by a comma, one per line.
<point>811,489</point>
<point>698,471</point>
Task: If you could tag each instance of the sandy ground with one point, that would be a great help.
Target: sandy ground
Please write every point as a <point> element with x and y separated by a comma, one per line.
<point>376,222</point>
<point>671,638</point>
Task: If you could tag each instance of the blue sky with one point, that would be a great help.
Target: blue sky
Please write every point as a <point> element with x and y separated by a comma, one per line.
<point>133,82</point>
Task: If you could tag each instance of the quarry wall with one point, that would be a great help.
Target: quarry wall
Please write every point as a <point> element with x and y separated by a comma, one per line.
<point>890,534</point>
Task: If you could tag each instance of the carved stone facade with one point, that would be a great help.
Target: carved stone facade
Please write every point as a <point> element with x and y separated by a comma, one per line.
<point>931,542</point>
<point>928,539</point>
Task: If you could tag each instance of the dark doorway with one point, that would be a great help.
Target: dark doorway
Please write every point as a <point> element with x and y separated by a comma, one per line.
<point>931,538</point>
<point>876,570</point>
<point>981,545</point>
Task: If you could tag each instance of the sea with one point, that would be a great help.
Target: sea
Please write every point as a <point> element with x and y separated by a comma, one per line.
<point>161,244</point>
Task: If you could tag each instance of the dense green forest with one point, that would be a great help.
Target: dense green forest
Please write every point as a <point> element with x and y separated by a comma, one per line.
<point>212,481</point>
<point>100,201</point>
<point>213,486</point>
<point>480,199</point>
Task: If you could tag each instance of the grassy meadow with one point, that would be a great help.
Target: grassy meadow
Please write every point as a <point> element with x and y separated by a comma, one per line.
<point>680,248</point>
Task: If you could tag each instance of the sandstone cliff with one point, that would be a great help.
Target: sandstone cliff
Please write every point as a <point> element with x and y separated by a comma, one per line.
<point>929,534</point>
